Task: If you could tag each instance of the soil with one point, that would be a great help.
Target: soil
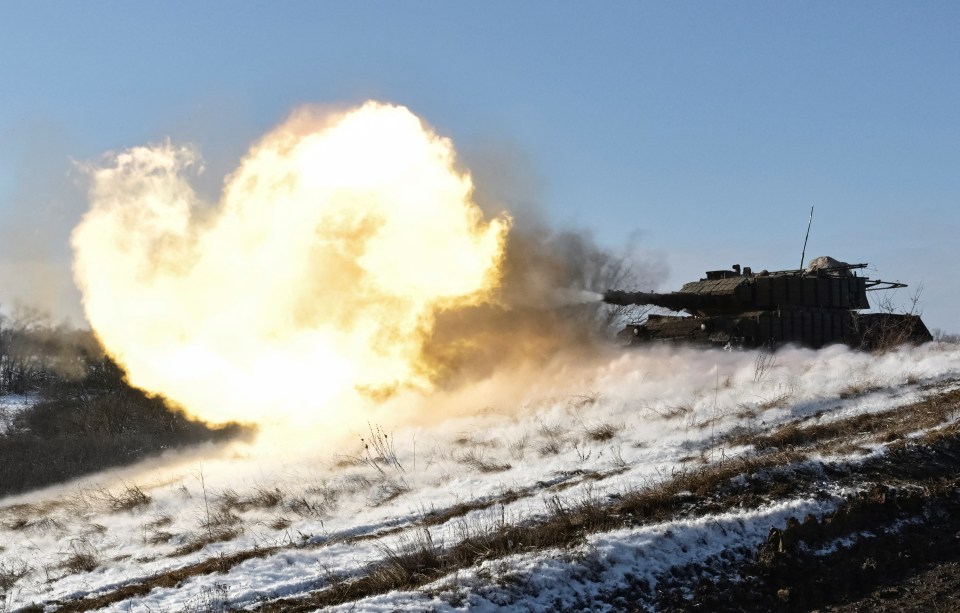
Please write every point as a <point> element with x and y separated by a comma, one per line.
<point>893,546</point>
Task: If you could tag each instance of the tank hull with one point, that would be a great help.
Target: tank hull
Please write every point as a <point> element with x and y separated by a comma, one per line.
<point>805,327</point>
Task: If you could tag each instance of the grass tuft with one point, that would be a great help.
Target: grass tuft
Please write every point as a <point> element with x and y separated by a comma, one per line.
<point>476,460</point>
<point>83,559</point>
<point>387,490</point>
<point>414,559</point>
<point>518,448</point>
<point>603,432</point>
<point>553,440</point>
<point>198,542</point>
<point>132,497</point>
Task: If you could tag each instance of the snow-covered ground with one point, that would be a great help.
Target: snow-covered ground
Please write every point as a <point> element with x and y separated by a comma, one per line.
<point>10,405</point>
<point>610,427</point>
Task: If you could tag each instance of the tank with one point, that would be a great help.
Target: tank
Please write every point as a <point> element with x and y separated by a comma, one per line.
<point>811,307</point>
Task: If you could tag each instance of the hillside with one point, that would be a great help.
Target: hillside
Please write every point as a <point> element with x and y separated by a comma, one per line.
<point>656,479</point>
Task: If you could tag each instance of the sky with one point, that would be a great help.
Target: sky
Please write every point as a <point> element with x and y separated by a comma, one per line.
<point>702,131</point>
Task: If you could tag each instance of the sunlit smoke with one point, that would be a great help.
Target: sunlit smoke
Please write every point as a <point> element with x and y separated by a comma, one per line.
<point>570,295</point>
<point>315,279</point>
<point>547,315</point>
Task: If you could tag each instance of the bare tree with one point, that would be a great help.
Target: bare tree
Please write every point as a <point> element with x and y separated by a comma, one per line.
<point>35,352</point>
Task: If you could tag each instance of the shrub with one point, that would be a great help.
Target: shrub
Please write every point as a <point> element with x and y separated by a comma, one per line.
<point>93,423</point>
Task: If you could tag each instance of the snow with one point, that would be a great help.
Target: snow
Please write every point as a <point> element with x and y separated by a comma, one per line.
<point>610,561</point>
<point>10,405</point>
<point>669,409</point>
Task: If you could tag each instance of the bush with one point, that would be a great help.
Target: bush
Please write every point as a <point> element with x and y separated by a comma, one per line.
<point>87,425</point>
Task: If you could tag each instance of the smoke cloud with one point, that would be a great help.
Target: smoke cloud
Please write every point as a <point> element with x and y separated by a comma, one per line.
<point>548,309</point>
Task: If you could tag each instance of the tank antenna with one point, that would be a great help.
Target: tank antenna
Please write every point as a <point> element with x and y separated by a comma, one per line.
<point>807,237</point>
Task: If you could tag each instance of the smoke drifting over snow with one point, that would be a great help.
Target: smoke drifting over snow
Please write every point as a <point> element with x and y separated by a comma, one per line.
<point>548,307</point>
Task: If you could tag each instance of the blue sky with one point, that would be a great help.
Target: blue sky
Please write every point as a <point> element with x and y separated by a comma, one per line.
<point>706,129</point>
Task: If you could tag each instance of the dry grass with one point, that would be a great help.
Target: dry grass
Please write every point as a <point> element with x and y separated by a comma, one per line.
<point>387,490</point>
<point>477,461</point>
<point>602,432</point>
<point>11,572</point>
<point>266,497</point>
<point>221,518</point>
<point>166,579</point>
<point>324,498</point>
<point>84,557</point>
<point>153,532</point>
<point>616,456</point>
<point>473,441</point>
<point>765,362</point>
<point>17,523</point>
<point>858,388</point>
<point>198,541</point>
<point>280,523</point>
<point>552,439</point>
<point>670,412</point>
<point>159,521</point>
<point>130,498</point>
<point>418,560</point>
<point>518,448</point>
<point>581,401</point>
<point>342,460</point>
<point>415,558</point>
<point>849,434</point>
<point>159,537</point>
<point>777,402</point>
<point>327,490</point>
<point>262,498</point>
<point>44,524</point>
<point>217,525</point>
<point>379,451</point>
<point>435,518</point>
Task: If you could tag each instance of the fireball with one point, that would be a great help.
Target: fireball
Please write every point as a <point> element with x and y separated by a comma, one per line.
<point>314,280</point>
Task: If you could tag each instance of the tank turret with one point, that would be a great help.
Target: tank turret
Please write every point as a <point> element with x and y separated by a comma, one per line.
<point>813,307</point>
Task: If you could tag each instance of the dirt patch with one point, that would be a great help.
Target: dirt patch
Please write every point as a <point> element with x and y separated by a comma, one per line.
<point>893,548</point>
<point>218,564</point>
<point>883,427</point>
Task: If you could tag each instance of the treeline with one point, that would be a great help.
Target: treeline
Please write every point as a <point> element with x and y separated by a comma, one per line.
<point>35,352</point>
<point>83,416</point>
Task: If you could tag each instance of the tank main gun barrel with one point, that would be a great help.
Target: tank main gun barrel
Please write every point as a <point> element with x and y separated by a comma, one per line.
<point>623,298</point>
<point>675,301</point>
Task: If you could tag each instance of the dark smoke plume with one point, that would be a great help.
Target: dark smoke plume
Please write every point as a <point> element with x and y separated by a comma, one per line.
<point>534,320</point>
